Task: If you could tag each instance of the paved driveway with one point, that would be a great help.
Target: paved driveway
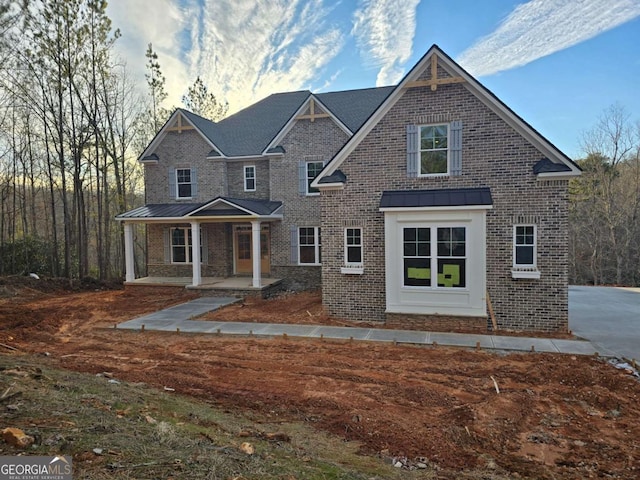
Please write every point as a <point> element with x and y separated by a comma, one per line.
<point>608,317</point>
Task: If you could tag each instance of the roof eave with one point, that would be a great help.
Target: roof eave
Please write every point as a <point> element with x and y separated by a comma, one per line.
<point>431,209</point>
<point>328,186</point>
<point>558,175</point>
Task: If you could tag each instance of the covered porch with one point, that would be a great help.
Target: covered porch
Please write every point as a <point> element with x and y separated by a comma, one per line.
<point>185,244</point>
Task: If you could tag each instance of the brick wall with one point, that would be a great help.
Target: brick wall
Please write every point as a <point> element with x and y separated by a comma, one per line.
<point>494,155</point>
<point>185,150</point>
<point>235,175</point>
<point>318,140</point>
<point>219,252</point>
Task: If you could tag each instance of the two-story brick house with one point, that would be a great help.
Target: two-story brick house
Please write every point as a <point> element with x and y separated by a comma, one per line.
<point>412,204</point>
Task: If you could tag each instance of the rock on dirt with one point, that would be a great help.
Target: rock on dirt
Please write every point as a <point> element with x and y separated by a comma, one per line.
<point>17,438</point>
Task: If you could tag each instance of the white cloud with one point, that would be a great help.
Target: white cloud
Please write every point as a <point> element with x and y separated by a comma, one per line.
<point>542,27</point>
<point>248,49</point>
<point>384,31</point>
<point>160,26</point>
<point>242,49</point>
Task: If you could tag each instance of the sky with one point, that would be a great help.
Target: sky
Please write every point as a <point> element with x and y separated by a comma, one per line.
<point>557,63</point>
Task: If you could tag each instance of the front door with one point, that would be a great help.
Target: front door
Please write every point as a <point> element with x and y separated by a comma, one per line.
<point>243,250</point>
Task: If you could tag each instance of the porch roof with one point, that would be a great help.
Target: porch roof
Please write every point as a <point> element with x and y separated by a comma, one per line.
<point>449,197</point>
<point>220,208</point>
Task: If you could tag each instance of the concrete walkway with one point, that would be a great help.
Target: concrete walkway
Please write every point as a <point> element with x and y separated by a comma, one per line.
<point>181,317</point>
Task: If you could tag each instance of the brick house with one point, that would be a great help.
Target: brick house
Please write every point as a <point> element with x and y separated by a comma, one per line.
<point>411,205</point>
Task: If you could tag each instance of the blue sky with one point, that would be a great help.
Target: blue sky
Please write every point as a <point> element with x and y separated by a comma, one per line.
<point>557,63</point>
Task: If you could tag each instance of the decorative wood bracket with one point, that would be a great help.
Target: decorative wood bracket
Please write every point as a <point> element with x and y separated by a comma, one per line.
<point>312,115</point>
<point>434,81</point>
<point>179,126</point>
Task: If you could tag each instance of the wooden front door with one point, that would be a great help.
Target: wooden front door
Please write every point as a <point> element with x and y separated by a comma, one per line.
<point>242,251</point>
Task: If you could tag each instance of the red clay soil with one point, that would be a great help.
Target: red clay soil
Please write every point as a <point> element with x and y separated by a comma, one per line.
<point>544,417</point>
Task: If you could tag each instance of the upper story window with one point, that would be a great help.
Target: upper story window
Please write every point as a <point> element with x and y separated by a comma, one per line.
<point>184,183</point>
<point>249,178</point>
<point>313,169</point>
<point>434,149</point>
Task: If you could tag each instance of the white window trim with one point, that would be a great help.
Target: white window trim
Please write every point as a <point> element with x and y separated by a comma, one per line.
<point>255,182</point>
<point>444,174</point>
<point>433,258</point>
<point>188,246</point>
<point>316,244</point>
<point>353,268</point>
<point>526,271</point>
<point>443,301</point>
<point>178,183</point>
<point>307,182</point>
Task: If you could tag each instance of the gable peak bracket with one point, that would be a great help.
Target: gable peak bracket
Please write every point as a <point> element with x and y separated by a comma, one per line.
<point>434,81</point>
<point>312,115</point>
<point>179,126</point>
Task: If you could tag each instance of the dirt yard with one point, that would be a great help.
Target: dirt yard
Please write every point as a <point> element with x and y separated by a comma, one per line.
<point>537,416</point>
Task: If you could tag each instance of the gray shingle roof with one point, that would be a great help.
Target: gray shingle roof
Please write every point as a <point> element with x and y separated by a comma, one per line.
<point>452,197</point>
<point>354,107</point>
<point>250,131</point>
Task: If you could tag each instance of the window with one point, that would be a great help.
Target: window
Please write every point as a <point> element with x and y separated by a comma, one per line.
<point>181,245</point>
<point>309,246</point>
<point>434,149</point>
<point>313,169</point>
<point>353,247</point>
<point>446,256</point>
<point>183,181</point>
<point>524,246</point>
<point>249,178</point>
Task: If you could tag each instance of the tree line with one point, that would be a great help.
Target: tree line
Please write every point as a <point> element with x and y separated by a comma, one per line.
<point>72,124</point>
<point>605,204</point>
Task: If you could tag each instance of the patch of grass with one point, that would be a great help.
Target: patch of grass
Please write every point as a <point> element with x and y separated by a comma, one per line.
<point>117,430</point>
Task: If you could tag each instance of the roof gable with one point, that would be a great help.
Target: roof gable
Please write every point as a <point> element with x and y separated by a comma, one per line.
<point>179,121</point>
<point>454,73</point>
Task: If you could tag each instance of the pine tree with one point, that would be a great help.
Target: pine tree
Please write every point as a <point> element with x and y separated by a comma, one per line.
<point>204,103</point>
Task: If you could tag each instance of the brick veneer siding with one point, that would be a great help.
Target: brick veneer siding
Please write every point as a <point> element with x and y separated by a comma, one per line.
<point>185,150</point>
<point>235,176</point>
<point>277,178</point>
<point>318,140</point>
<point>436,323</point>
<point>219,252</point>
<point>493,155</point>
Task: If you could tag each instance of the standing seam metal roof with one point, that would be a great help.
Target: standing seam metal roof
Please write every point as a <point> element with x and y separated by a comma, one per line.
<point>451,197</point>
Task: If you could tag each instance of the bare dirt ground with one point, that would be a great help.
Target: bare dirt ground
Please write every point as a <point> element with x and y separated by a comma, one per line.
<point>532,416</point>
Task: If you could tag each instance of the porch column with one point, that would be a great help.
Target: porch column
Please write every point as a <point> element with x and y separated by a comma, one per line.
<point>255,254</point>
<point>129,264</point>
<point>195,254</point>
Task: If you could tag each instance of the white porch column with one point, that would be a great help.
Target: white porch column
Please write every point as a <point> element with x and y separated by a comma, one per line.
<point>129,264</point>
<point>255,253</point>
<point>195,254</point>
